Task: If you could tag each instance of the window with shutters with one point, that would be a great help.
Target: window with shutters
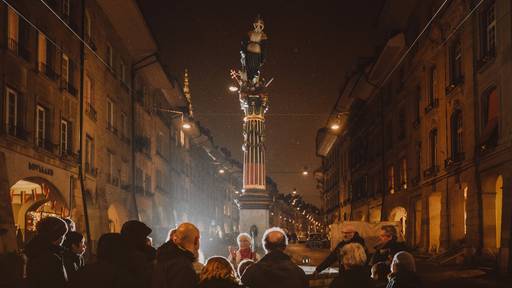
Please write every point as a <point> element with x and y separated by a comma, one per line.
<point>488,30</point>
<point>64,137</point>
<point>11,111</point>
<point>41,126</point>
<point>89,155</point>
<point>12,30</point>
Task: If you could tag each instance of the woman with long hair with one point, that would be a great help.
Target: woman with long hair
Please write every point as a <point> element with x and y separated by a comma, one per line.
<point>218,273</point>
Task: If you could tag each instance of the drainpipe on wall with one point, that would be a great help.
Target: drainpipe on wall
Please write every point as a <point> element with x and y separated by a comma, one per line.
<point>81,134</point>
<point>476,134</point>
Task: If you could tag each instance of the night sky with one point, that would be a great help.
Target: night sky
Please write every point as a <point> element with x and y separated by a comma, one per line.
<point>312,46</point>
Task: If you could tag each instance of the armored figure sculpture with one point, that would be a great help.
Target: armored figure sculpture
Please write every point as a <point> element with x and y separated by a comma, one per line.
<point>253,52</point>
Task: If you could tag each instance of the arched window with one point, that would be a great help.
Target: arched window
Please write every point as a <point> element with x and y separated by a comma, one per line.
<point>456,135</point>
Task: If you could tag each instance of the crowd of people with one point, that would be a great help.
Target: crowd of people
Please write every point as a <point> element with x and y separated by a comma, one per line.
<point>390,266</point>
<point>128,259</point>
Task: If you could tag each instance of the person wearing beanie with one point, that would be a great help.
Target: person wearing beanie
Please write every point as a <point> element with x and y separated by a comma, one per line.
<point>403,272</point>
<point>74,245</point>
<point>45,266</point>
<point>141,257</point>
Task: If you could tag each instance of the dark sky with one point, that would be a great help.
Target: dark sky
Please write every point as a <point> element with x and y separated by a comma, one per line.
<point>312,45</point>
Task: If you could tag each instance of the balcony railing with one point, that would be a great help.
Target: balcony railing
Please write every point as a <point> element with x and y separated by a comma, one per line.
<point>48,71</point>
<point>90,111</point>
<point>18,132</point>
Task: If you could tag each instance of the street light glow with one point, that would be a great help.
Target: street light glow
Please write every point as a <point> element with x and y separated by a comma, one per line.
<point>233,88</point>
<point>186,126</point>
<point>221,171</point>
<point>335,126</point>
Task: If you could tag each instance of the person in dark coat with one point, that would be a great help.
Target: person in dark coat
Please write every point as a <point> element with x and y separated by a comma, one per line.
<point>45,266</point>
<point>403,272</point>
<point>355,273</point>
<point>350,235</point>
<point>111,269</point>
<point>388,245</point>
<point>141,256</point>
<point>275,269</point>
<point>218,273</point>
<point>174,268</point>
<point>74,245</point>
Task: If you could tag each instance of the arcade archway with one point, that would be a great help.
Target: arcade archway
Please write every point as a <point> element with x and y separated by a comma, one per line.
<point>399,214</point>
<point>31,200</point>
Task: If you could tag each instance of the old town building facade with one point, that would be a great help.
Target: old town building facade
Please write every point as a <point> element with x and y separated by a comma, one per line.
<point>93,126</point>
<point>430,145</point>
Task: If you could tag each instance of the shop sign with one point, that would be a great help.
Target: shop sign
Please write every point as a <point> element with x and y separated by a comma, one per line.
<point>39,168</point>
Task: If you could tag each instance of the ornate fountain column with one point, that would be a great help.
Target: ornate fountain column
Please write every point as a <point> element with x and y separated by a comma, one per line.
<point>255,201</point>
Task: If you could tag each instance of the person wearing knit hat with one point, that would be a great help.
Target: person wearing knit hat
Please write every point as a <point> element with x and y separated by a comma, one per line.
<point>403,271</point>
<point>45,266</point>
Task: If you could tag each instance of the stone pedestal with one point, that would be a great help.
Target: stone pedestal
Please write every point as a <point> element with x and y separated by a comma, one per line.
<point>254,213</point>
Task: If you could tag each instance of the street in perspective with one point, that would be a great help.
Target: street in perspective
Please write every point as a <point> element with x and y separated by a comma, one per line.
<point>225,144</point>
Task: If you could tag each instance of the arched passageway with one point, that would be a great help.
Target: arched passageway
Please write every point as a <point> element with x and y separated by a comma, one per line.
<point>31,200</point>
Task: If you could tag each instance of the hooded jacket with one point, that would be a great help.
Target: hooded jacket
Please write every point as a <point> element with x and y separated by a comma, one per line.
<point>275,269</point>
<point>334,256</point>
<point>358,277</point>
<point>45,266</point>
<point>174,268</point>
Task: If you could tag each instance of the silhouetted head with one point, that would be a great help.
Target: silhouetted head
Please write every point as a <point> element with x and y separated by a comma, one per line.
<point>187,237</point>
<point>274,239</point>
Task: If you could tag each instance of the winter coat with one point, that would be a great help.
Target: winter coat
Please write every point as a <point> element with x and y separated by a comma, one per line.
<point>72,263</point>
<point>275,269</point>
<point>358,277</point>
<point>45,266</point>
<point>404,280</point>
<point>174,268</point>
<point>218,283</point>
<point>334,256</point>
<point>386,252</point>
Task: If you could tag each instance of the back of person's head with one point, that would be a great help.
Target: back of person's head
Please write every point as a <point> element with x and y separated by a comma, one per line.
<point>187,236</point>
<point>217,267</point>
<point>111,248</point>
<point>274,239</point>
<point>380,271</point>
<point>353,255</point>
<point>70,223</point>
<point>72,238</point>
<point>390,230</point>
<point>52,229</point>
<point>403,262</point>
<point>244,265</point>
<point>134,232</point>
